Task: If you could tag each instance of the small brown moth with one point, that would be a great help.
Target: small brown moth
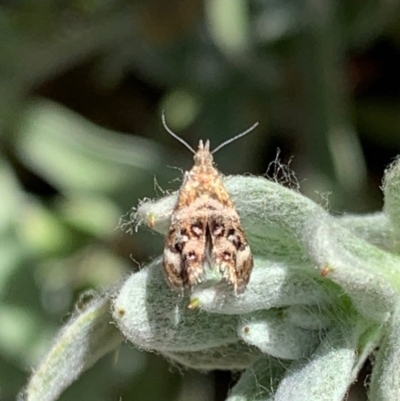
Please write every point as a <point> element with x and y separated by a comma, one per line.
<point>205,230</point>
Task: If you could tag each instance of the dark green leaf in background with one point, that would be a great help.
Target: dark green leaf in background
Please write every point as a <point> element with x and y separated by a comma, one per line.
<point>82,87</point>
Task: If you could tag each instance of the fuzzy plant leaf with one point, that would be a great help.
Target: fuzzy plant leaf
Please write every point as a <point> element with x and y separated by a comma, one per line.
<point>260,381</point>
<point>283,226</point>
<point>236,356</point>
<point>153,317</point>
<point>325,376</point>
<point>385,383</point>
<point>87,337</point>
<point>323,294</point>
<point>271,333</point>
<point>391,190</point>
<point>320,283</point>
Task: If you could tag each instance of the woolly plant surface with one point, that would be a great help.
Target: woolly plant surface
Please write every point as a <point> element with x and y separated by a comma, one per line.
<point>324,293</point>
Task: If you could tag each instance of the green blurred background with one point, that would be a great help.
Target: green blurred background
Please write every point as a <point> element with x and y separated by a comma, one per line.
<point>82,87</point>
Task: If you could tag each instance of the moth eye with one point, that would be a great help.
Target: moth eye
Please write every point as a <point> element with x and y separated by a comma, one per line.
<point>218,230</point>
<point>197,228</point>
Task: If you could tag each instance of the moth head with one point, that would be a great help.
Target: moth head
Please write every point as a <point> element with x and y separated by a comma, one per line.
<point>203,155</point>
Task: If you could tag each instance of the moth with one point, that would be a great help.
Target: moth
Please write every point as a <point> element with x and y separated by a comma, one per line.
<point>205,231</point>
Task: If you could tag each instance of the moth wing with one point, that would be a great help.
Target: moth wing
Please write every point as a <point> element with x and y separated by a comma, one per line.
<point>185,249</point>
<point>231,251</point>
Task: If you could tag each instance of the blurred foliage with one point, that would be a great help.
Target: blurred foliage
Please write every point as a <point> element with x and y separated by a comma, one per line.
<point>82,86</point>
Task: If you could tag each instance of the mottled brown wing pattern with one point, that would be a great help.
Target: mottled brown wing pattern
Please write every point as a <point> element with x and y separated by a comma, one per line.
<point>206,228</point>
<point>231,252</point>
<point>185,250</point>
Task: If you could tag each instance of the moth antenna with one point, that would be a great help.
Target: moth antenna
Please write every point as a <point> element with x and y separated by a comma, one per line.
<point>235,137</point>
<point>172,133</point>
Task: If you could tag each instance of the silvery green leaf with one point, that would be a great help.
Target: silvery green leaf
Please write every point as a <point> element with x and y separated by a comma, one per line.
<point>237,356</point>
<point>327,374</point>
<point>311,317</point>
<point>154,317</point>
<point>366,273</point>
<point>391,191</point>
<point>272,285</point>
<point>260,381</point>
<point>376,228</point>
<point>274,335</point>
<point>88,336</point>
<point>385,383</point>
